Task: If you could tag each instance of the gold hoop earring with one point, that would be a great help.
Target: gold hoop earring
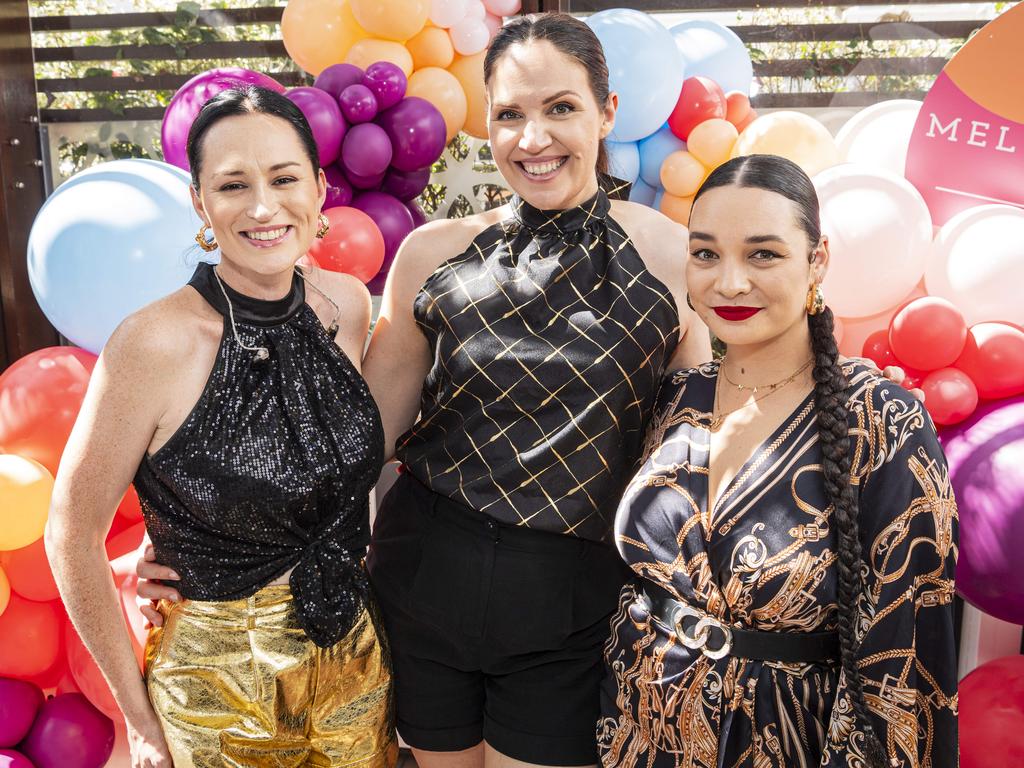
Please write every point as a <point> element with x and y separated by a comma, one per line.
<point>206,245</point>
<point>324,228</point>
<point>815,303</point>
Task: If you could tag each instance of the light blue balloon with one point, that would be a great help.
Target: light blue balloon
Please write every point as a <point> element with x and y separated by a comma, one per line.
<point>653,151</point>
<point>645,68</point>
<point>656,205</point>
<point>623,160</point>
<point>712,50</point>
<point>107,242</point>
<point>642,193</point>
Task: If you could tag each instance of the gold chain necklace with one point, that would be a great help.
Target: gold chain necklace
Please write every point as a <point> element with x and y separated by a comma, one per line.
<point>717,419</point>
<point>776,385</point>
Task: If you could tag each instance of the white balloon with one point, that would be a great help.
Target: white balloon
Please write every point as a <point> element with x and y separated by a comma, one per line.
<point>447,13</point>
<point>879,135</point>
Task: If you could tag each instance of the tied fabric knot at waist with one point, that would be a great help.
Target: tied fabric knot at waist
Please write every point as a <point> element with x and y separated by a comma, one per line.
<point>331,590</point>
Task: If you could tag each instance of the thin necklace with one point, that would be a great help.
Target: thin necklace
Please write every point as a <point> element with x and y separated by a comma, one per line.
<point>718,418</point>
<point>776,385</point>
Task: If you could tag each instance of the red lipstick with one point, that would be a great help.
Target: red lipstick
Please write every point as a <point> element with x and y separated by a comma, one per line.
<point>736,314</point>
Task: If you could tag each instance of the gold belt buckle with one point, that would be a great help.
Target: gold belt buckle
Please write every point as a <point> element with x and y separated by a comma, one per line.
<point>700,631</point>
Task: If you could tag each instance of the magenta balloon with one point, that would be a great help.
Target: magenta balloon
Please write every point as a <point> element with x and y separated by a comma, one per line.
<point>19,702</point>
<point>358,104</point>
<point>190,98</point>
<point>365,183</point>
<point>391,217</point>
<point>417,133</point>
<point>10,758</point>
<point>69,732</point>
<point>366,150</point>
<point>986,466</point>
<point>337,77</point>
<point>324,116</point>
<point>339,191</point>
<point>376,285</point>
<point>387,81</point>
<point>405,185</point>
<point>419,218</point>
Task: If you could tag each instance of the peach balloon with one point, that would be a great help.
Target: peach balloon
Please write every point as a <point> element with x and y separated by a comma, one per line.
<point>469,71</point>
<point>391,19</point>
<point>431,48</point>
<point>318,33</point>
<point>712,141</point>
<point>442,89</point>
<point>25,487</point>
<point>682,174</point>
<point>366,52</point>
<point>677,208</point>
<point>792,135</point>
<point>5,591</point>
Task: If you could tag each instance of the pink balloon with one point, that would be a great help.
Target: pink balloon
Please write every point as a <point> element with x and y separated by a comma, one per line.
<point>324,116</point>
<point>445,13</point>
<point>366,150</point>
<point>469,36</point>
<point>475,10</point>
<point>339,190</point>
<point>337,77</point>
<point>503,7</point>
<point>493,24</point>
<point>191,97</point>
<point>387,81</point>
<point>10,758</point>
<point>69,732</point>
<point>20,700</point>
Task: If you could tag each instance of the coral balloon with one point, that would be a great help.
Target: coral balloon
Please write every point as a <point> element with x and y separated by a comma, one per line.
<point>388,83</point>
<point>29,637</point>
<point>700,99</point>
<point>358,104</point>
<point>949,395</point>
<point>928,333</point>
<point>20,700</point>
<point>368,51</point>
<point>40,395</point>
<point>469,36</point>
<point>367,150</point>
<point>28,571</point>
<point>446,13</point>
<point>417,132</point>
<point>25,487</point>
<point>391,19</point>
<point>469,71</point>
<point>878,350</point>
<point>318,33</point>
<point>5,590</point>
<point>69,732</point>
<point>87,675</point>
<point>682,174</point>
<point>353,245</point>
<point>431,48</point>
<point>712,141</point>
<point>993,357</point>
<point>324,117</point>
<point>339,190</point>
<point>442,89</point>
<point>337,77</point>
<point>737,107</point>
<point>991,707</point>
<point>857,329</point>
<point>792,135</point>
<point>677,208</point>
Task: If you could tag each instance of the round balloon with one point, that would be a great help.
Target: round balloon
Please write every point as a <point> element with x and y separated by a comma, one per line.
<point>469,71</point>
<point>623,160</point>
<point>29,637</point>
<point>353,245</point>
<point>700,99</point>
<point>324,116</point>
<point>643,193</point>
<point>28,571</point>
<point>11,758</point>
<point>69,732</point>
<point>792,135</point>
<point>109,241</point>
<point>358,104</point>
<point>879,232</point>
<point>339,190</point>
<point>682,174</point>
<point>367,150</point>
<point>877,349</point>
<point>928,333</point>
<point>445,13</point>
<point>716,52</point>
<point>25,487</point>
<point>949,395</point>
<point>417,132</point>
<point>405,185</point>
<point>391,19</point>
<point>391,217</point>
<point>712,141</point>
<point>367,52</point>
<point>387,82</point>
<point>318,33</point>
<point>991,714</point>
<point>879,135</point>
<point>856,330</point>
<point>88,678</point>
<point>419,218</point>
<point>653,151</point>
<point>190,98</point>
<point>993,357</point>
<point>5,589</point>
<point>442,89</point>
<point>337,77</point>
<point>645,69</point>
<point>20,700</point>
<point>431,48</point>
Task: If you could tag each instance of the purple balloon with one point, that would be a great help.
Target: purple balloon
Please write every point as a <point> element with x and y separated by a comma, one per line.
<point>391,217</point>
<point>365,182</point>
<point>405,185</point>
<point>19,702</point>
<point>358,104</point>
<point>366,150</point>
<point>69,732</point>
<point>190,98</point>
<point>337,77</point>
<point>387,81</point>
<point>339,191</point>
<point>324,116</point>
<point>417,133</point>
<point>986,466</point>
<point>376,285</point>
<point>419,218</point>
<point>9,758</point>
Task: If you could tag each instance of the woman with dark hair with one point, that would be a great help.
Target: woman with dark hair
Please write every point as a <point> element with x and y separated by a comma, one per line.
<point>793,526</point>
<point>237,408</point>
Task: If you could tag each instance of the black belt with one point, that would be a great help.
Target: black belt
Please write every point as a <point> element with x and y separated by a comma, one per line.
<point>698,630</point>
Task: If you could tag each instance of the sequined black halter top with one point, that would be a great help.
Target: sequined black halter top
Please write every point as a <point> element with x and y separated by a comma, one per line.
<point>549,339</point>
<point>272,469</point>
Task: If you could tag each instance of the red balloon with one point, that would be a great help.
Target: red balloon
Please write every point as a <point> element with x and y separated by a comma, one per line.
<point>994,359</point>
<point>87,675</point>
<point>992,715</point>
<point>877,349</point>
<point>701,99</point>
<point>949,395</point>
<point>130,509</point>
<point>125,541</point>
<point>928,333</point>
<point>914,378</point>
<point>28,570</point>
<point>353,245</point>
<point>40,396</point>
<point>29,637</point>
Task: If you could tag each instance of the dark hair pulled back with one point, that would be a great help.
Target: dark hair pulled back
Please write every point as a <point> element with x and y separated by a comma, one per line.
<point>571,37</point>
<point>779,175</point>
<point>247,100</point>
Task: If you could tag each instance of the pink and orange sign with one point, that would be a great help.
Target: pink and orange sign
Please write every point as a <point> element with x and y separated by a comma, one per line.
<point>967,148</point>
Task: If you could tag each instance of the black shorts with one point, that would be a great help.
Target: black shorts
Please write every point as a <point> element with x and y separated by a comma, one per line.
<point>496,631</point>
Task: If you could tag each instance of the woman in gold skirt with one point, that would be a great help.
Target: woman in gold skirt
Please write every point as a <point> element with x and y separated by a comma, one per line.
<point>237,407</point>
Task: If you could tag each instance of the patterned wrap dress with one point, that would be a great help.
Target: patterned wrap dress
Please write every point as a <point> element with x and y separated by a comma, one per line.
<point>764,559</point>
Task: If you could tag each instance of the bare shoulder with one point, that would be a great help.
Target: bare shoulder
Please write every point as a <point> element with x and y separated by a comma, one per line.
<point>348,292</point>
<point>660,241</point>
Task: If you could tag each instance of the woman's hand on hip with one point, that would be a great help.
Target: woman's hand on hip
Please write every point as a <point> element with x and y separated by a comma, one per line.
<point>152,576</point>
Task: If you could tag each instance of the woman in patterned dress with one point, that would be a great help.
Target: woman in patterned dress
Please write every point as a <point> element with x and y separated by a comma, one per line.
<point>793,527</point>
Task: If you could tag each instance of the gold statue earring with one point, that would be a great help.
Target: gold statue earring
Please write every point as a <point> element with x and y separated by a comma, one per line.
<point>324,228</point>
<point>815,303</point>
<point>206,245</point>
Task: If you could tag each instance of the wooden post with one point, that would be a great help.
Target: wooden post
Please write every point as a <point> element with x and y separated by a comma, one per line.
<point>23,327</point>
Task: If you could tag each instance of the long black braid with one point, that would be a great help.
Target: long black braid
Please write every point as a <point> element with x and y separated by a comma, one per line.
<point>776,174</point>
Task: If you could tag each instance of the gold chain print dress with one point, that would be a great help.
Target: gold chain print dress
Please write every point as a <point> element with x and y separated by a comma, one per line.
<point>764,559</point>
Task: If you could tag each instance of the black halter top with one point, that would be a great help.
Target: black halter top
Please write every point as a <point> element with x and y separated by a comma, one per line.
<point>272,469</point>
<point>549,338</point>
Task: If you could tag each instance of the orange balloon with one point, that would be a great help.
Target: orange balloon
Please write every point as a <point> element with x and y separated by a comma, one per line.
<point>469,71</point>
<point>318,33</point>
<point>682,174</point>
<point>25,488</point>
<point>737,106</point>
<point>444,91</point>
<point>712,141</point>
<point>40,396</point>
<point>677,208</point>
<point>29,572</point>
<point>353,244</point>
<point>29,637</point>
<point>87,675</point>
<point>366,52</point>
<point>431,48</point>
<point>5,591</point>
<point>391,19</point>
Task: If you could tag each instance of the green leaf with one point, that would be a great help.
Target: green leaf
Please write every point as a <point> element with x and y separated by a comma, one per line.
<point>98,72</point>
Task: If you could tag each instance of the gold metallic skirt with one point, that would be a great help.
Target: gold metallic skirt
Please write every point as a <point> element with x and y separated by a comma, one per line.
<point>238,683</point>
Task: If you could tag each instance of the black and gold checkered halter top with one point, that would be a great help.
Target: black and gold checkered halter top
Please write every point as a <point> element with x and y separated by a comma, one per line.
<point>549,338</point>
